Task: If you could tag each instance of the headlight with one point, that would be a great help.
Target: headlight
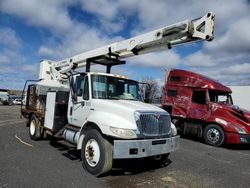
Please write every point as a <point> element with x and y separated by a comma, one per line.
<point>173,130</point>
<point>239,129</point>
<point>123,133</point>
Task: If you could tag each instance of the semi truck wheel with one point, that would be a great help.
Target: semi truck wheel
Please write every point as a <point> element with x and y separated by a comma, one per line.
<point>34,128</point>
<point>214,135</point>
<point>96,153</point>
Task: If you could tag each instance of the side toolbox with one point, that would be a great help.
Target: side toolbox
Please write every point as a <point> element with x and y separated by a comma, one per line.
<point>56,110</point>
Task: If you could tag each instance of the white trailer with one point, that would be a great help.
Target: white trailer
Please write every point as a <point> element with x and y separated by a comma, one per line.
<point>241,96</point>
<point>101,113</point>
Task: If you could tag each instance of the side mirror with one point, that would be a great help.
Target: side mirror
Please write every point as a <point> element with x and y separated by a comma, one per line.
<point>73,89</point>
<point>72,86</point>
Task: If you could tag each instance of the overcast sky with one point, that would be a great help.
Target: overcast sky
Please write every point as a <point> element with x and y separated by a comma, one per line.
<point>31,30</point>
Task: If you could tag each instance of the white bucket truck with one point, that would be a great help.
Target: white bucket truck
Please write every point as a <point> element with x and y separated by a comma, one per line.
<point>101,113</point>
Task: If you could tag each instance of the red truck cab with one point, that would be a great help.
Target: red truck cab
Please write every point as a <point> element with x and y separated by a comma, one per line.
<point>203,107</point>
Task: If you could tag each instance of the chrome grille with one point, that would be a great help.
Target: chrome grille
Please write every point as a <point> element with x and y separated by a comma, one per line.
<point>154,124</point>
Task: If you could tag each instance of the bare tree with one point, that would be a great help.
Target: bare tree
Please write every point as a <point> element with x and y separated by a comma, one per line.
<point>149,88</point>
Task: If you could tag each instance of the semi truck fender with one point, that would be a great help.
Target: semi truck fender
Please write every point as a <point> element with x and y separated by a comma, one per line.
<point>218,121</point>
<point>87,126</point>
<point>224,123</point>
<point>102,121</point>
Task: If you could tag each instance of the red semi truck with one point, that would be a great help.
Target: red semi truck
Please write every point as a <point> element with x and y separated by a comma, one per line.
<point>203,107</point>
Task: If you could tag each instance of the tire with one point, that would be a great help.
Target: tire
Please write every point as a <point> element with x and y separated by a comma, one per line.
<point>44,134</point>
<point>161,160</point>
<point>34,128</point>
<point>214,135</point>
<point>96,154</point>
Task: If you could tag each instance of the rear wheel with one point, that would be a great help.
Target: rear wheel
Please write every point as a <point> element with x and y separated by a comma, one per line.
<point>214,135</point>
<point>34,128</point>
<point>96,153</point>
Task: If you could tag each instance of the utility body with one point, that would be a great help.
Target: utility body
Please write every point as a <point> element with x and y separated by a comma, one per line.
<point>102,113</point>
<point>204,107</point>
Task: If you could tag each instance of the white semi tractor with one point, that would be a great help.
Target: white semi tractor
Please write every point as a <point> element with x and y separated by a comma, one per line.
<point>102,113</point>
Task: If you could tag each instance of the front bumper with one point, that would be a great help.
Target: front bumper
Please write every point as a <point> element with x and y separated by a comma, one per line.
<point>245,139</point>
<point>233,138</point>
<point>126,149</point>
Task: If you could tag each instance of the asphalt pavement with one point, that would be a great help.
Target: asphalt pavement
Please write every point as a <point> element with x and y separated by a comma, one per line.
<point>48,163</point>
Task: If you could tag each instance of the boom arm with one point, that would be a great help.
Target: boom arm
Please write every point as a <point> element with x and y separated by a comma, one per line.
<point>160,39</point>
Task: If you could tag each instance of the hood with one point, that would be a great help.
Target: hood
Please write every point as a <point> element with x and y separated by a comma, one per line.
<point>121,112</point>
<point>125,106</point>
<point>245,112</point>
<point>232,114</point>
<point>235,108</point>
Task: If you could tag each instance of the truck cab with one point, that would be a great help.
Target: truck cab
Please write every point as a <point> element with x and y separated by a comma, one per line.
<point>204,107</point>
<point>113,103</point>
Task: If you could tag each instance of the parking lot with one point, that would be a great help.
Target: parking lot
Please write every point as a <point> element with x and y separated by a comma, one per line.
<point>46,163</point>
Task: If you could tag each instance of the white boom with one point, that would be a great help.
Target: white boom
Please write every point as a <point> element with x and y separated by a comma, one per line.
<point>160,39</point>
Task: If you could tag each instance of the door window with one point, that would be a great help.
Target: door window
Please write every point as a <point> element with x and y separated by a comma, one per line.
<point>172,93</point>
<point>199,97</point>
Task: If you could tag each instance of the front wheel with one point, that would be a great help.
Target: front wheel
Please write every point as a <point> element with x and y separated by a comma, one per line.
<point>214,135</point>
<point>96,153</point>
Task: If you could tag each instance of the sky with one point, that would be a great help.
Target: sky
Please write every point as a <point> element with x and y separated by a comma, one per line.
<point>31,30</point>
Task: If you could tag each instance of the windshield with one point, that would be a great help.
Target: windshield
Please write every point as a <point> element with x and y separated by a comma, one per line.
<point>220,98</point>
<point>105,87</point>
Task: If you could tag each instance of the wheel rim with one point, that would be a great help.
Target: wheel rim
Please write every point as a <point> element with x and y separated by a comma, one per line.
<point>32,127</point>
<point>213,135</point>
<point>92,152</point>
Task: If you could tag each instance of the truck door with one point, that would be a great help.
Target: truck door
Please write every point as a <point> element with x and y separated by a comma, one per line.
<point>80,106</point>
<point>199,108</point>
